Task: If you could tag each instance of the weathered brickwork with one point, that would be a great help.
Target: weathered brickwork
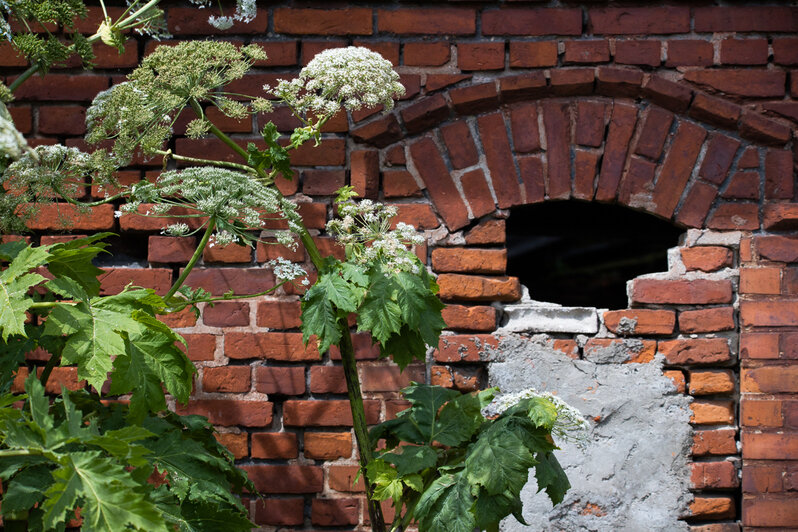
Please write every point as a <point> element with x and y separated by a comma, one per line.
<point>686,113</point>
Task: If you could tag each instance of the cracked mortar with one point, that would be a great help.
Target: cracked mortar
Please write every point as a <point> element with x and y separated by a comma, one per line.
<point>633,475</point>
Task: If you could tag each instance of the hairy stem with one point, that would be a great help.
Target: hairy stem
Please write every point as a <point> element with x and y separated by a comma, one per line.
<point>345,346</point>
<point>194,258</point>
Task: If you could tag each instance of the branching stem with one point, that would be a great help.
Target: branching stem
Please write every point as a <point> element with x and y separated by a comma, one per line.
<point>194,258</point>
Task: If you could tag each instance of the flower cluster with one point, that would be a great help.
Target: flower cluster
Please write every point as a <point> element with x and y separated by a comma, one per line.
<point>245,12</point>
<point>236,201</point>
<point>285,270</point>
<point>352,78</point>
<point>570,425</point>
<point>364,230</point>
<point>12,143</point>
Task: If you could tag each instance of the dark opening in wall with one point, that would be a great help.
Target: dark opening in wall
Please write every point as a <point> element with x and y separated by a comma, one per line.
<point>581,254</point>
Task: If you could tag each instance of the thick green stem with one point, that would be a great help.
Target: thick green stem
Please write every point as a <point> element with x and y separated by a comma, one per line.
<point>194,258</point>
<point>48,368</point>
<point>23,77</point>
<point>8,453</point>
<point>176,157</point>
<point>347,354</point>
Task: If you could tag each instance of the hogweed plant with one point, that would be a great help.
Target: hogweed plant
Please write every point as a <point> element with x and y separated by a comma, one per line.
<point>135,465</point>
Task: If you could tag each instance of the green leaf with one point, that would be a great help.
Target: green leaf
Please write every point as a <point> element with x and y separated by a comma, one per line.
<point>404,347</point>
<point>451,509</point>
<point>551,477</point>
<point>26,488</point>
<point>490,509</point>
<point>499,461</point>
<point>61,497</point>
<point>14,285</point>
<point>131,372</point>
<point>459,419</point>
<point>354,274</point>
<point>66,287</point>
<point>164,359</point>
<point>427,400</point>
<point>73,260</point>
<point>387,484</point>
<point>412,459</point>
<point>421,309</point>
<point>12,356</point>
<point>320,318</point>
<point>38,403</point>
<point>379,313</point>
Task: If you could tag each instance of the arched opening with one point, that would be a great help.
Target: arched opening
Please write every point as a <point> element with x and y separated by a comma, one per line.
<point>581,254</point>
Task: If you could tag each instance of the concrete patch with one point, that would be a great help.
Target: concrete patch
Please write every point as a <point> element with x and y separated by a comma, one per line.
<point>633,475</point>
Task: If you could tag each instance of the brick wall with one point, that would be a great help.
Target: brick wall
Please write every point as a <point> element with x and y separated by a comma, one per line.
<point>683,112</point>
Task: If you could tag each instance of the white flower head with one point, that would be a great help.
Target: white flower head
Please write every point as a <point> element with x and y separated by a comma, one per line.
<point>285,270</point>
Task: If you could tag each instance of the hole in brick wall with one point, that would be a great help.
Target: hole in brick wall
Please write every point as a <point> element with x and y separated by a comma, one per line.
<point>127,250</point>
<point>582,254</point>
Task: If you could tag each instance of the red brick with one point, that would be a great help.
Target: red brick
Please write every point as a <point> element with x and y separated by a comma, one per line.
<point>464,347</point>
<point>677,167</point>
<point>477,288</point>
<point>474,99</point>
<point>780,217</point>
<point>385,378</point>
<point>380,132</point>
<point>326,413</point>
<point>58,216</point>
<point>638,52</point>
<point>114,280</point>
<point>280,381</point>
<point>769,379</point>
<point>64,87</point>
<point>677,377</point>
<point>499,158</point>
<point>458,317</point>
<point>689,53</point>
<point>706,320</point>
<point>620,132</point>
<point>532,22</point>
<point>365,172</point>
<point>770,512</point>
<point>759,345</point>
<point>744,51</point>
<point>712,508</point>
<point>713,475</point>
<point>460,144</point>
<point>228,412</point>
<point>640,20</point>
<point>585,168</point>
<point>352,21</point>
<point>526,86</point>
<point>186,21</point>
<point>440,21</point>
<point>715,111</point>
<point>279,314</point>
<point>714,442</point>
<point>749,158</point>
<point>477,193</point>
<point>779,175</point>
<point>327,379</point>
<point>706,258</point>
<point>226,314</point>
<point>22,117</point>
<point>556,120</point>
<point>335,512</point>
<point>524,125</point>
<point>572,81</point>
<point>533,54</point>
<point>744,19</point>
<point>718,381</point>
<point>735,216</point>
<point>274,445</point>
<point>653,133</point>
<point>480,56</point>
<point>619,81</point>
<point>166,249</point>
<point>235,443</point>
<point>282,511</point>
<point>327,445</point>
<point>218,281</point>
<point>718,158</point>
<point>695,351</point>
<point>62,120</point>
<point>439,183</point>
<point>590,123</point>
<point>426,53</point>
<point>231,253</point>
<point>751,83</point>
<point>322,182</point>
<point>756,127</point>
<point>696,204</point>
<point>712,412</point>
<point>230,379</point>
<point>342,478</point>
<point>668,94</point>
<point>768,446</point>
<point>785,51</point>
<point>268,249</point>
<point>439,81</point>
<point>760,281</point>
<point>285,347</point>
<point>399,184</point>
<point>763,413</point>
<point>487,232</point>
<point>419,215</point>
<point>200,346</point>
<point>779,313</point>
<point>634,351</point>
<point>777,248</point>
<point>645,321</point>
<point>590,51</point>
<point>279,53</point>
<point>743,185</point>
<point>286,478</point>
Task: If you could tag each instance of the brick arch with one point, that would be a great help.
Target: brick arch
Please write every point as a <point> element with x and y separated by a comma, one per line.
<point>606,134</point>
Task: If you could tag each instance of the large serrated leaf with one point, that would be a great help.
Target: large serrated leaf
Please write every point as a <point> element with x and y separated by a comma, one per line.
<point>412,459</point>
<point>459,419</point>
<point>551,477</point>
<point>421,309</point>
<point>498,461</point>
<point>319,318</point>
<point>451,509</point>
<point>14,286</point>
<point>73,260</point>
<point>379,313</point>
<point>26,488</point>
<point>427,400</point>
<point>404,347</point>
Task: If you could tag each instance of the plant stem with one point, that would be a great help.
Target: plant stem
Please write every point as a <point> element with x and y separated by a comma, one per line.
<point>194,258</point>
<point>48,368</point>
<point>345,346</point>
<point>176,157</point>
<point>23,77</point>
<point>7,453</point>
